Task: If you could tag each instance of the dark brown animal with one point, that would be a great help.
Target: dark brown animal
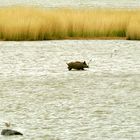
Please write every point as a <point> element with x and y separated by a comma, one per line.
<point>77,65</point>
<point>10,132</point>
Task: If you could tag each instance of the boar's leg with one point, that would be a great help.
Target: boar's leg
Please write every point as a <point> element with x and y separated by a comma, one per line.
<point>69,68</point>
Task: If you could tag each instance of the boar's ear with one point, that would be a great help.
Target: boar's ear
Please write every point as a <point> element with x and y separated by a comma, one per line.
<point>84,62</point>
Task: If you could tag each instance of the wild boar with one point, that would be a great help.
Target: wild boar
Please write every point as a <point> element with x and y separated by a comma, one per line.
<point>77,65</point>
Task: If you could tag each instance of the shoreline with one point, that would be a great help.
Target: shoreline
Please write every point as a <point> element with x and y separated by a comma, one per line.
<point>95,38</point>
<point>78,38</point>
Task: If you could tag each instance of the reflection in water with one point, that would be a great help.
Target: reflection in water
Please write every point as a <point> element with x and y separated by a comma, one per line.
<point>43,100</point>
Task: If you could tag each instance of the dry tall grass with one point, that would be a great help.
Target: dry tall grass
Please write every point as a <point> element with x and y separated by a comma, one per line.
<point>26,23</point>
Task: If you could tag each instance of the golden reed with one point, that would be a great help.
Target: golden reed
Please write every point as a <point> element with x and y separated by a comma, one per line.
<point>29,23</point>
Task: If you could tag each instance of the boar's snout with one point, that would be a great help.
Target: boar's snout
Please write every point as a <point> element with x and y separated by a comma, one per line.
<point>85,64</point>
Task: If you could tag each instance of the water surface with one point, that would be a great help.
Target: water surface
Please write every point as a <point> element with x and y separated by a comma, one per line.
<point>73,3</point>
<point>45,101</point>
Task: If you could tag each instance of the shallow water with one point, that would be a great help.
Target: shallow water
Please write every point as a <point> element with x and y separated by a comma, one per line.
<point>45,101</point>
<point>73,3</point>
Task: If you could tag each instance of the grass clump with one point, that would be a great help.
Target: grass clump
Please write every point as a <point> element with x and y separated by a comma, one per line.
<point>28,23</point>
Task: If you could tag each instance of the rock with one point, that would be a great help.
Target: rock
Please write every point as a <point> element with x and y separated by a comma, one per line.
<point>10,132</point>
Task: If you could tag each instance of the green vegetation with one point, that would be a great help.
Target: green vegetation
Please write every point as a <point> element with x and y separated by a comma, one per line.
<point>28,23</point>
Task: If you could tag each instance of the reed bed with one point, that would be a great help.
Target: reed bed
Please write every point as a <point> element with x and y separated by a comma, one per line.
<point>29,23</point>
